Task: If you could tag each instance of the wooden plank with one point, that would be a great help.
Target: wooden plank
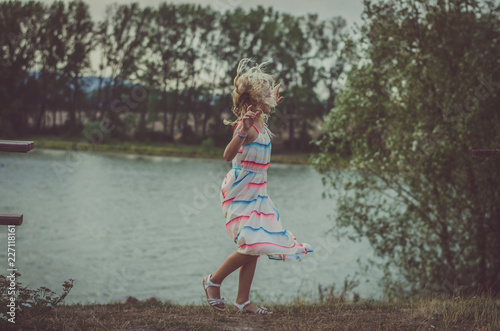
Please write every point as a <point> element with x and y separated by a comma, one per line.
<point>11,219</point>
<point>486,153</point>
<point>16,146</point>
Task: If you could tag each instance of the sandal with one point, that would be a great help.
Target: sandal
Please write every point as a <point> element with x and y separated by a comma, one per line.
<point>213,302</point>
<point>261,310</point>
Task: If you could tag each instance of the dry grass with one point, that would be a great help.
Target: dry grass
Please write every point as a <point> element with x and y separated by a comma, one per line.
<point>475,313</point>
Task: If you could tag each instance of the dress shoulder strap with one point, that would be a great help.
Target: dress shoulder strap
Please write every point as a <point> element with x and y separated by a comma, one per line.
<point>239,123</point>
<point>235,126</point>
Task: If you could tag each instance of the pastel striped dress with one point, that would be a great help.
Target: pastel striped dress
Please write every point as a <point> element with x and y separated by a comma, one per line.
<point>252,220</point>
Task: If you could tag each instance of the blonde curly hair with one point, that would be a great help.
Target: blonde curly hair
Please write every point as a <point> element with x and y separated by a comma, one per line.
<point>252,86</point>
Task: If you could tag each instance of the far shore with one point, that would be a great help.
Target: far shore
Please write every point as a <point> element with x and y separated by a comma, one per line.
<point>159,149</point>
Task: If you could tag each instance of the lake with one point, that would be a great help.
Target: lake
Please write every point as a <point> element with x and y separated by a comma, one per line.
<point>149,226</point>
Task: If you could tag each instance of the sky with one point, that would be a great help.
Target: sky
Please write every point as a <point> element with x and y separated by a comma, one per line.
<point>350,10</point>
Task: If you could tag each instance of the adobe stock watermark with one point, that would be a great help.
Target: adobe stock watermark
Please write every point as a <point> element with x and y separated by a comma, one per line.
<point>201,196</point>
<point>452,288</point>
<point>228,4</point>
<point>119,106</point>
<point>120,279</point>
<point>483,91</point>
<point>94,137</point>
<point>16,39</point>
<point>279,119</point>
<point>30,31</point>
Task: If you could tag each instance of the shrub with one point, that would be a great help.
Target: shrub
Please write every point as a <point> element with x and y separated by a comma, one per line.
<point>29,303</point>
<point>96,132</point>
<point>208,143</point>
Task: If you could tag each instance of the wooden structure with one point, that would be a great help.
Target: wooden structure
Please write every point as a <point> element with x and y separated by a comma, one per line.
<point>15,147</point>
<point>495,153</point>
<point>11,219</point>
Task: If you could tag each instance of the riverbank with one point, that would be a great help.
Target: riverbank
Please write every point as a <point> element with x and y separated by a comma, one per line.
<point>475,313</point>
<point>159,149</point>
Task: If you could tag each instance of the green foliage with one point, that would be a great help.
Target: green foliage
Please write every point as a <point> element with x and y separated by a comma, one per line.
<point>44,50</point>
<point>208,143</point>
<point>327,293</point>
<point>171,65</point>
<point>99,133</point>
<point>423,92</point>
<point>29,303</point>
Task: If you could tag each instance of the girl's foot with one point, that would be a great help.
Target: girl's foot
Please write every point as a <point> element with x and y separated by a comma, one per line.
<point>212,291</point>
<point>247,307</point>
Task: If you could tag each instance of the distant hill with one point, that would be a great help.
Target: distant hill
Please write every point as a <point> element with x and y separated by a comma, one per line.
<point>91,83</point>
<point>88,83</point>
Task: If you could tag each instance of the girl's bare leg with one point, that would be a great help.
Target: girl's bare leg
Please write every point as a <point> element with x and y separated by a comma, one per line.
<point>245,281</point>
<point>233,262</point>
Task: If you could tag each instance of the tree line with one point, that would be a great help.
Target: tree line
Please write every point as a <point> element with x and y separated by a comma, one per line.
<point>422,94</point>
<point>184,55</point>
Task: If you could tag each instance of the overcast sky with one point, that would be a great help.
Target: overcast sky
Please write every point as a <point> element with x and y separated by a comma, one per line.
<point>350,10</point>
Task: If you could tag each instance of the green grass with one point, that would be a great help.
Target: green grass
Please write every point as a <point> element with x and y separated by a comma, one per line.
<point>159,149</point>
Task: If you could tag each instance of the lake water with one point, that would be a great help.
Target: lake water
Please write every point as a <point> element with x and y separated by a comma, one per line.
<point>146,226</point>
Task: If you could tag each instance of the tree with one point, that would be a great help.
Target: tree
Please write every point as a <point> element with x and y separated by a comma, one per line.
<point>79,43</point>
<point>422,93</point>
<point>50,56</point>
<point>122,36</point>
<point>300,48</point>
<point>19,26</point>
<point>167,38</point>
<point>200,23</point>
<point>188,53</point>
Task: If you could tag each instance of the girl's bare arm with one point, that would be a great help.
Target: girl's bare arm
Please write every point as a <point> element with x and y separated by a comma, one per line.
<point>244,126</point>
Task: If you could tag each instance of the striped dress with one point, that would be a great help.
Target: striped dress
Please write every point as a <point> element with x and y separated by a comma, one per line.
<point>252,220</point>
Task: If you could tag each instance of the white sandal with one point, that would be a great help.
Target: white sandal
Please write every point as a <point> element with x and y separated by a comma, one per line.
<point>261,310</point>
<point>213,302</point>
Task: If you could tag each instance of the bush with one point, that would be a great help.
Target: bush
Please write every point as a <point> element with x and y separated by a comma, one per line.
<point>189,137</point>
<point>161,137</point>
<point>208,143</point>
<point>29,303</point>
<point>94,131</point>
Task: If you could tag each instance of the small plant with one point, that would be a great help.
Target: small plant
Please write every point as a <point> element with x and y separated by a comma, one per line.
<point>208,143</point>
<point>327,293</point>
<point>96,132</point>
<point>29,303</point>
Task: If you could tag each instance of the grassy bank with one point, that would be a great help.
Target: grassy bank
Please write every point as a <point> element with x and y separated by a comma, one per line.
<point>159,149</point>
<point>475,313</point>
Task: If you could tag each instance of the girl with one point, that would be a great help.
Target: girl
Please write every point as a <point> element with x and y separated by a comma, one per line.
<point>252,219</point>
